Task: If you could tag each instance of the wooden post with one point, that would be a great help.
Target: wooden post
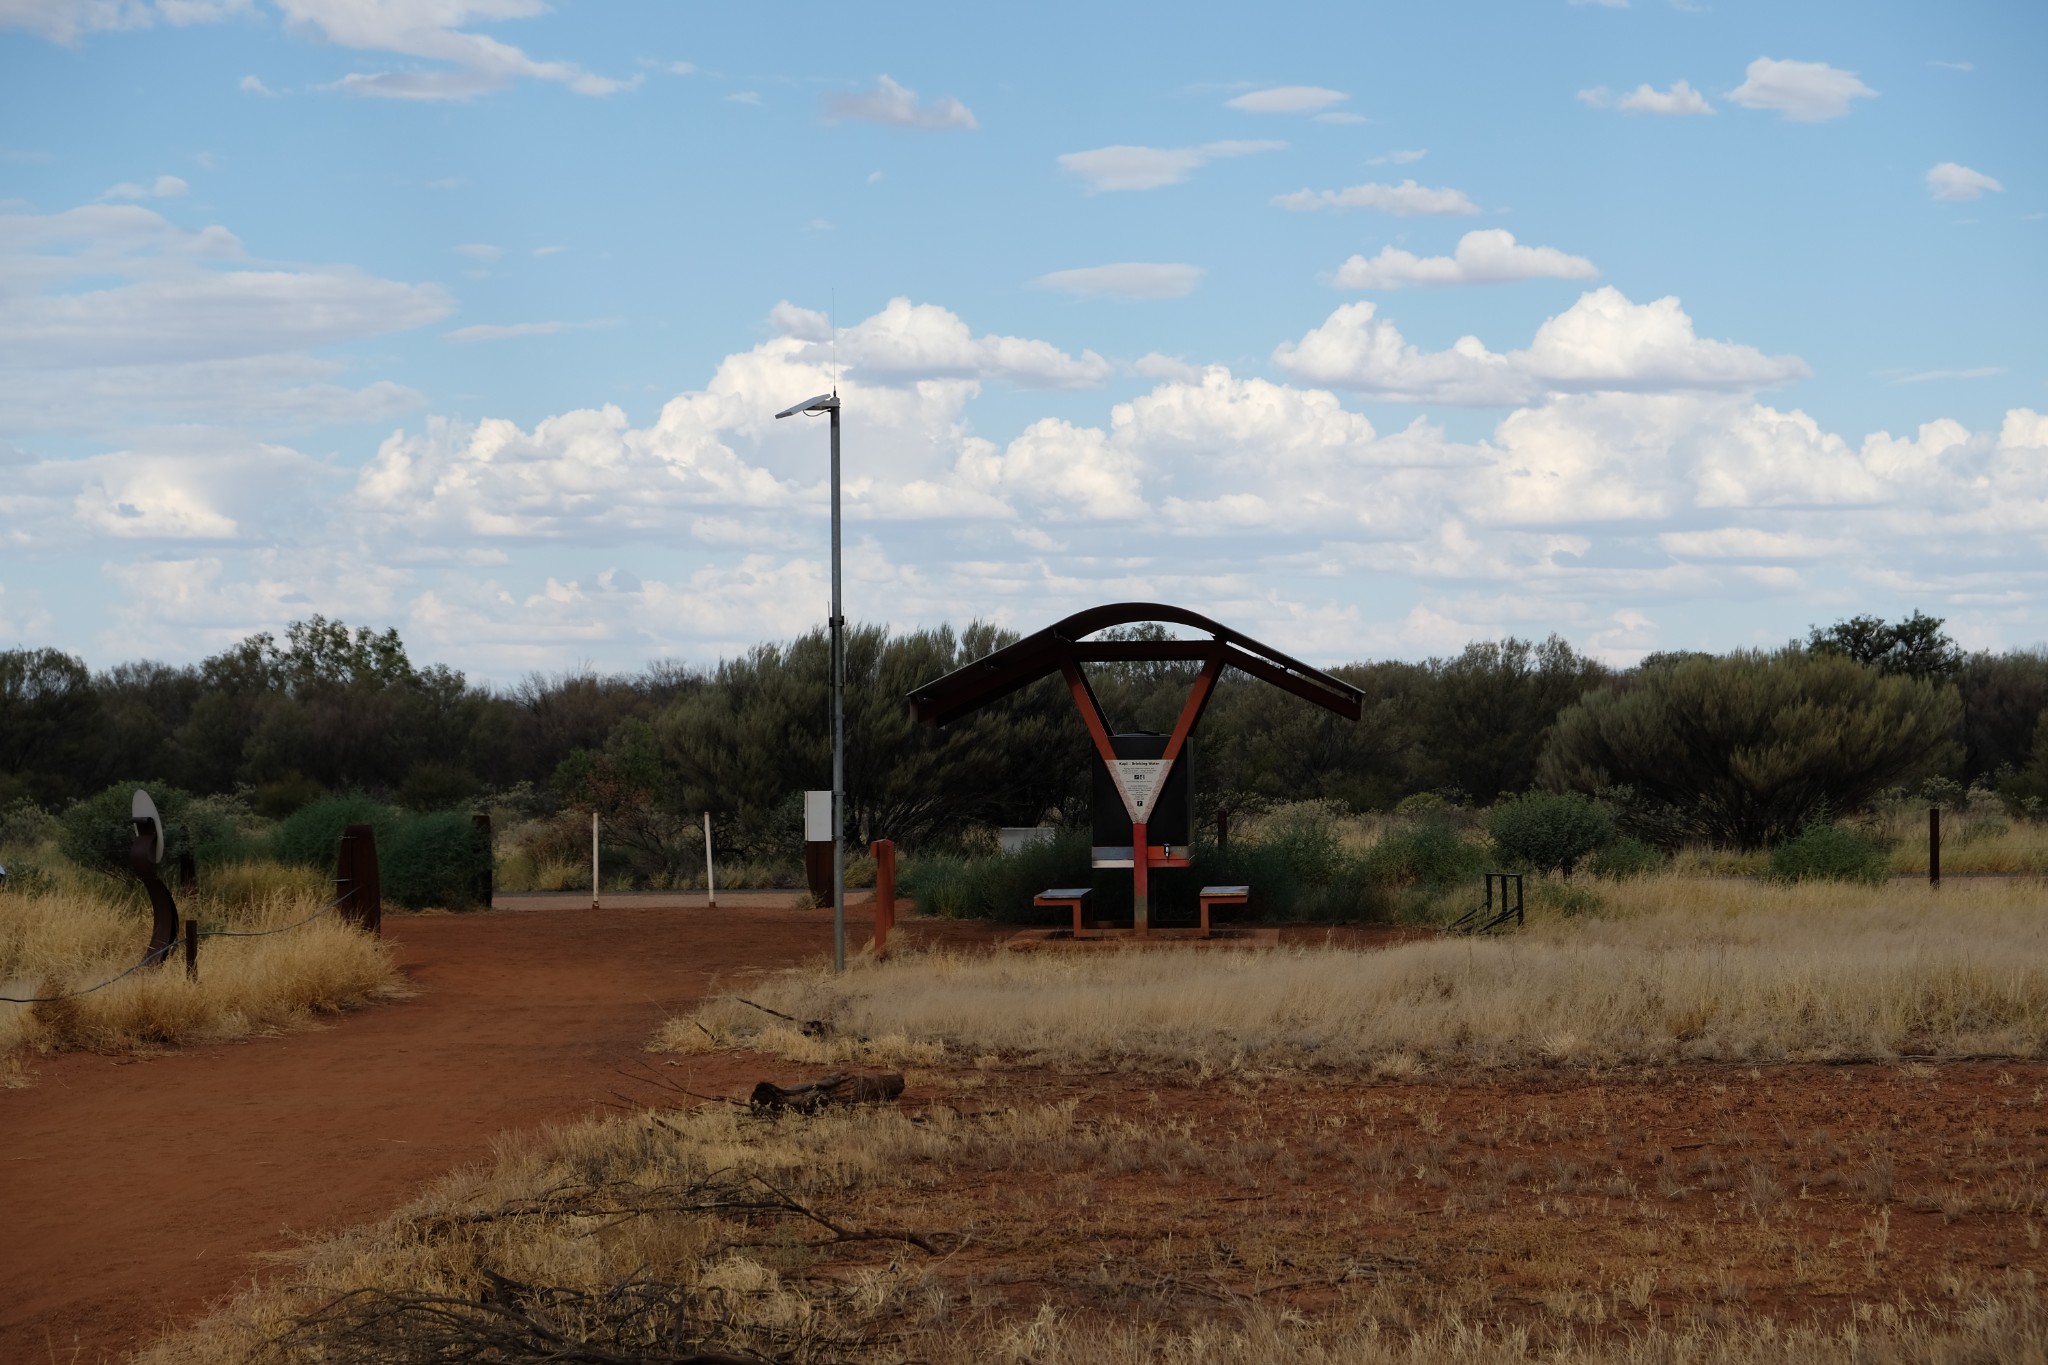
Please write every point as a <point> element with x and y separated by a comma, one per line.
<point>710,875</point>
<point>1934,845</point>
<point>191,950</point>
<point>884,851</point>
<point>593,860</point>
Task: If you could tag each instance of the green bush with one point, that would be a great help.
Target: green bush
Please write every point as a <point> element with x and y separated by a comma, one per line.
<point>433,860</point>
<point>1626,857</point>
<point>311,835</point>
<point>1752,748</point>
<point>996,886</point>
<point>1432,857</point>
<point>98,831</point>
<point>1549,831</point>
<point>1835,853</point>
<point>422,860</point>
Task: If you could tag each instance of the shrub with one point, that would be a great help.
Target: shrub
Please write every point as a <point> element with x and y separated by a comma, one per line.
<point>1432,857</point>
<point>1549,831</point>
<point>1834,853</point>
<point>98,831</point>
<point>1751,748</point>
<point>433,860</point>
<point>311,835</point>
<point>999,885</point>
<point>1626,857</point>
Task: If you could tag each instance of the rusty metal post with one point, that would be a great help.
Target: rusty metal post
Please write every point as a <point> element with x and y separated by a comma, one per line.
<point>884,851</point>
<point>355,879</point>
<point>191,950</point>
<point>486,875</point>
<point>1934,845</point>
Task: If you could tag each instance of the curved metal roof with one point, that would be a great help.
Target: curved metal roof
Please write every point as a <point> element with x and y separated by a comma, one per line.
<point>967,689</point>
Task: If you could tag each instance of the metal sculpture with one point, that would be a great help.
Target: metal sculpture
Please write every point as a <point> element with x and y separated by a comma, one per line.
<point>145,854</point>
<point>1139,780</point>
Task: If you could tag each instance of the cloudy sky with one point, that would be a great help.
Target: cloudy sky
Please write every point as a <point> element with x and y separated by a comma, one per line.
<point>1368,328</point>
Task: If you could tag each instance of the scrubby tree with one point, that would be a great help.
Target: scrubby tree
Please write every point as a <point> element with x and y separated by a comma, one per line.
<point>1488,711</point>
<point>2003,698</point>
<point>1549,831</point>
<point>759,733</point>
<point>48,711</point>
<point>1750,748</point>
<point>1914,647</point>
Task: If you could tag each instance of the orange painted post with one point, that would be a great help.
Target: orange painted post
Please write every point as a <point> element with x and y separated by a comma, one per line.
<point>884,852</point>
<point>1141,881</point>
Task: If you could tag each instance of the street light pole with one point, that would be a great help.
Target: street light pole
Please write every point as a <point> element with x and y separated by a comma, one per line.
<point>828,403</point>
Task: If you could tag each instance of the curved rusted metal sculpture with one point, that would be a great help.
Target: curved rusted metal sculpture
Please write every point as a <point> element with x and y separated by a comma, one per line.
<point>1049,651</point>
<point>1062,648</point>
<point>144,855</point>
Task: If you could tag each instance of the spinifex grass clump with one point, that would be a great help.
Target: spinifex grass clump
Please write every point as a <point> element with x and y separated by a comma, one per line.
<point>1685,971</point>
<point>66,940</point>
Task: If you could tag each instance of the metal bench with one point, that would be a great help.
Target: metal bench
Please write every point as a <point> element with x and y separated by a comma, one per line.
<point>1074,896</point>
<point>1222,895</point>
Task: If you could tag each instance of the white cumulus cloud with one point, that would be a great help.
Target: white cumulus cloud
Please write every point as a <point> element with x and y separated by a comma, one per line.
<point>1952,183</point>
<point>898,107</point>
<point>1486,256</point>
<point>1405,199</point>
<point>1602,342</point>
<point>1804,92</point>
<point>1150,168</point>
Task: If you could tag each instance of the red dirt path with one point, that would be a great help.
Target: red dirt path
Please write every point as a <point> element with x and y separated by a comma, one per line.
<point>133,1192</point>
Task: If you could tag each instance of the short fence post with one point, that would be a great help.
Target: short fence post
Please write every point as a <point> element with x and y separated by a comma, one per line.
<point>191,950</point>
<point>359,893</point>
<point>710,875</point>
<point>593,860</point>
<point>487,873</point>
<point>1934,845</point>
<point>884,851</point>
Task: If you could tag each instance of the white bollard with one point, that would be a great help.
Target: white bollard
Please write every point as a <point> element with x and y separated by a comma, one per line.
<point>710,881</point>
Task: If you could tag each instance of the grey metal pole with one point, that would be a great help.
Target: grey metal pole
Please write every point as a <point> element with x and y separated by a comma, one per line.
<point>838,725</point>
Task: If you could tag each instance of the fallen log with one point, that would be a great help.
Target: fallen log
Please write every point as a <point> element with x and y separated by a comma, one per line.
<point>841,1087</point>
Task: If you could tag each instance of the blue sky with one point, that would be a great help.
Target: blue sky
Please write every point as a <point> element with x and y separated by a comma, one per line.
<point>1371,329</point>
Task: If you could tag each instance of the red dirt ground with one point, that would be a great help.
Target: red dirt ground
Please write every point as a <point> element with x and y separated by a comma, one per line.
<point>137,1191</point>
<point>134,1191</point>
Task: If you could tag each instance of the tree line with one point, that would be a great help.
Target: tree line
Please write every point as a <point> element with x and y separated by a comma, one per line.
<point>1740,748</point>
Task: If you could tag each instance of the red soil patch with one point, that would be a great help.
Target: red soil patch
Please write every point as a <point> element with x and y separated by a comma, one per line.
<point>136,1191</point>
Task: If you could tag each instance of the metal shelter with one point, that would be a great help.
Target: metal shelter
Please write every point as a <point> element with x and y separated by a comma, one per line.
<point>1063,647</point>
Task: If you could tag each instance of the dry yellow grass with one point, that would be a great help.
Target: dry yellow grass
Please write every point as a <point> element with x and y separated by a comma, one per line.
<point>1113,1239</point>
<point>1677,970</point>
<point>71,938</point>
